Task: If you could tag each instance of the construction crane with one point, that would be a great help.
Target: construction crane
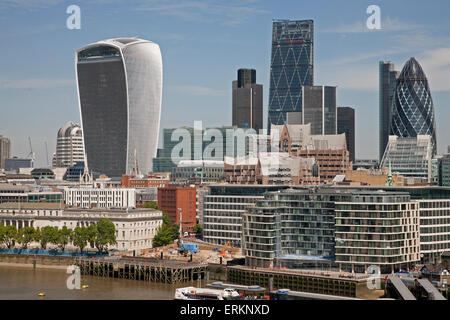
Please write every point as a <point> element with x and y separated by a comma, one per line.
<point>31,155</point>
<point>46,153</point>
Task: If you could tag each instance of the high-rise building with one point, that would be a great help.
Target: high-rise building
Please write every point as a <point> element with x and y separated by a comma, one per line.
<point>172,200</point>
<point>346,124</point>
<point>247,101</point>
<point>292,66</point>
<point>5,150</point>
<point>120,89</point>
<point>320,109</point>
<point>410,157</point>
<point>387,83</point>
<point>69,146</point>
<point>201,144</point>
<point>412,107</point>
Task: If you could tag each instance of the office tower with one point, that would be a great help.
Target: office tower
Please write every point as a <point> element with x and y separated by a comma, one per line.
<point>412,107</point>
<point>69,146</point>
<point>346,124</point>
<point>5,150</point>
<point>291,67</point>
<point>247,101</point>
<point>410,157</point>
<point>119,88</point>
<point>387,83</point>
<point>319,109</point>
<point>230,141</point>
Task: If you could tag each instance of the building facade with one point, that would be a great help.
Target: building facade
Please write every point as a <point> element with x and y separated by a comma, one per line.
<point>224,206</point>
<point>135,229</point>
<point>89,197</point>
<point>172,199</point>
<point>69,146</point>
<point>346,124</point>
<point>381,229</point>
<point>291,67</point>
<point>197,172</point>
<point>320,109</point>
<point>119,88</point>
<point>297,222</point>
<point>387,83</point>
<point>412,105</point>
<point>410,157</point>
<point>5,150</point>
<point>247,101</point>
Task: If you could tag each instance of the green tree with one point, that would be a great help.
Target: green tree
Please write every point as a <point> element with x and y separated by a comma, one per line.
<point>80,237</point>
<point>25,236</point>
<point>48,235</point>
<point>2,234</point>
<point>64,237</point>
<point>106,235</point>
<point>198,228</point>
<point>10,236</point>
<point>91,233</point>
<point>163,237</point>
<point>151,205</point>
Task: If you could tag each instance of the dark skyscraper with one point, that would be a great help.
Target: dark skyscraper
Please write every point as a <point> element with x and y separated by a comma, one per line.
<point>119,90</point>
<point>346,124</point>
<point>412,108</point>
<point>247,101</point>
<point>388,80</point>
<point>292,66</point>
<point>319,109</point>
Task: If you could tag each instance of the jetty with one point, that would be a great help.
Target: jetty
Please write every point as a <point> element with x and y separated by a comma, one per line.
<point>144,269</point>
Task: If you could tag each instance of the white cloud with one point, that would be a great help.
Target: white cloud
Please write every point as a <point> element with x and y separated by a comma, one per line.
<point>436,65</point>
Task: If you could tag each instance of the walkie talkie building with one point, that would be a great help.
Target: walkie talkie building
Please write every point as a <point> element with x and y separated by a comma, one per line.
<point>119,89</point>
<point>412,105</point>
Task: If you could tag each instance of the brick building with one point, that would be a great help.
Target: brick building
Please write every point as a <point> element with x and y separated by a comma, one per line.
<point>154,180</point>
<point>171,198</point>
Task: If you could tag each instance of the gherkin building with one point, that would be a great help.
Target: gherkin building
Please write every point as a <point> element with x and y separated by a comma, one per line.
<point>412,105</point>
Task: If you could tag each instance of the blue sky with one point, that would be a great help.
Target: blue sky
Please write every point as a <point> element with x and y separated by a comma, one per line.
<point>203,43</point>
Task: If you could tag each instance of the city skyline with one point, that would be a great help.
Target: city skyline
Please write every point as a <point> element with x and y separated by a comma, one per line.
<point>44,88</point>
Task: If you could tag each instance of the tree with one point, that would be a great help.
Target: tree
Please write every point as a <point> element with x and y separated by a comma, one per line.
<point>80,237</point>
<point>25,236</point>
<point>2,234</point>
<point>48,235</point>
<point>10,236</point>
<point>64,237</point>
<point>91,233</point>
<point>151,205</point>
<point>198,228</point>
<point>163,237</point>
<point>106,235</point>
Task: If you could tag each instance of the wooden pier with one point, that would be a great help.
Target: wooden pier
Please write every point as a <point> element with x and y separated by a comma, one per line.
<point>144,269</point>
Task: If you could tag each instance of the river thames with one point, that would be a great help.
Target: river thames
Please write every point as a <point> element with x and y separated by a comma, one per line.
<point>24,283</point>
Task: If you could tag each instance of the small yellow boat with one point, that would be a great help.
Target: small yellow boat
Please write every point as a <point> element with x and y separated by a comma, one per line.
<point>85,286</point>
<point>41,294</point>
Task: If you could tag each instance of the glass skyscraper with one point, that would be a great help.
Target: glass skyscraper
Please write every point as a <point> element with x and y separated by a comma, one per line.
<point>292,66</point>
<point>388,81</point>
<point>119,88</point>
<point>412,105</point>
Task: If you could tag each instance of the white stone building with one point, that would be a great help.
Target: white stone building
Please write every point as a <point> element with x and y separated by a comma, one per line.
<point>135,228</point>
<point>89,197</point>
